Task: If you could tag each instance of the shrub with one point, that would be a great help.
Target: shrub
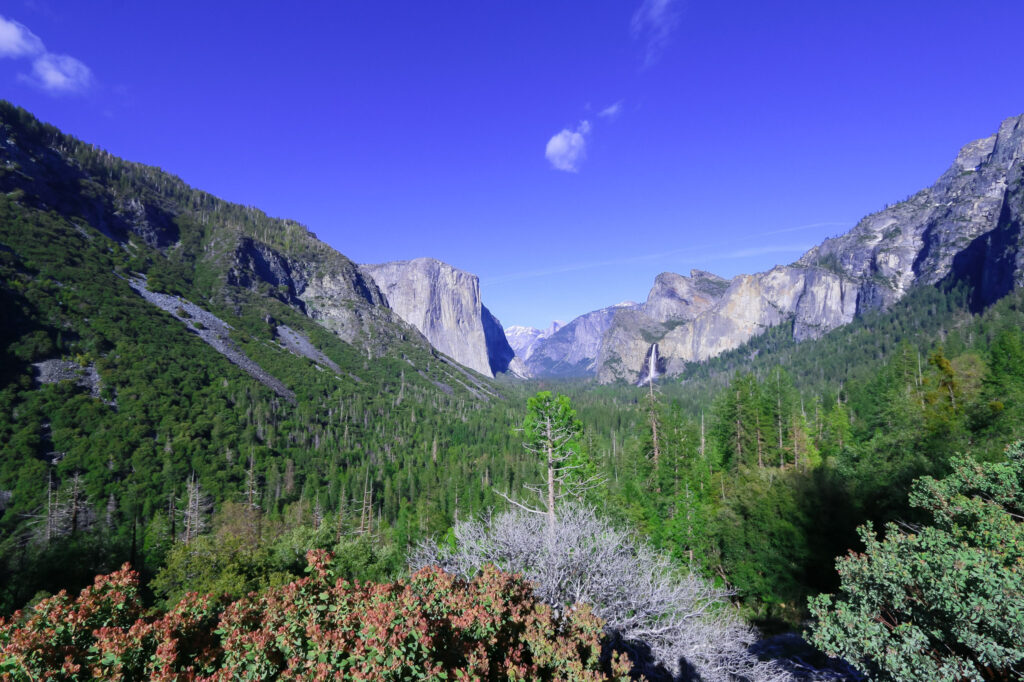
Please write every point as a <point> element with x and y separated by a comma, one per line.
<point>944,601</point>
<point>432,625</point>
<point>672,623</point>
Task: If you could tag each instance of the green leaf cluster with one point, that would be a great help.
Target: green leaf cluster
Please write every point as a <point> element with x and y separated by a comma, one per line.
<point>945,600</point>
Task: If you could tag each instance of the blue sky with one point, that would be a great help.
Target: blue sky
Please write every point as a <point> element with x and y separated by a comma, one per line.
<point>566,152</point>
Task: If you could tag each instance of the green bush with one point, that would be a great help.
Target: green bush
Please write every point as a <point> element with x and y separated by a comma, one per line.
<point>944,601</point>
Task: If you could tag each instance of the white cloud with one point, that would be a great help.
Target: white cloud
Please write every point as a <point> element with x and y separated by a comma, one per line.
<point>56,73</point>
<point>61,73</point>
<point>567,149</point>
<point>17,41</point>
<point>653,23</point>
<point>611,111</point>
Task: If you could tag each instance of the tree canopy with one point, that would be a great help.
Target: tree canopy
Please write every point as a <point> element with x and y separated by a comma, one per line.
<point>943,601</point>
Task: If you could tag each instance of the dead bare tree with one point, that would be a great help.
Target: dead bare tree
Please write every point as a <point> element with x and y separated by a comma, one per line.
<point>648,605</point>
<point>197,506</point>
<point>67,510</point>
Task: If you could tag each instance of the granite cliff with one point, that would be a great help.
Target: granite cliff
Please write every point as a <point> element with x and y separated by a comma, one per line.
<point>572,350</point>
<point>525,339</point>
<point>444,304</point>
<point>967,227</point>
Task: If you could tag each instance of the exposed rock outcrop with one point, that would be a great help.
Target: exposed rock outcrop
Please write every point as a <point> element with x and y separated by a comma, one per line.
<point>916,241</point>
<point>572,351</point>
<point>321,283</point>
<point>525,339</point>
<point>967,226</point>
<point>443,303</point>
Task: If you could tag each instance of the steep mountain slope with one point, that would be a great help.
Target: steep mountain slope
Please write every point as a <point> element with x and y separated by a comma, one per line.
<point>444,304</point>
<point>572,350</point>
<point>150,332</point>
<point>967,226</point>
<point>917,240</point>
<point>524,339</point>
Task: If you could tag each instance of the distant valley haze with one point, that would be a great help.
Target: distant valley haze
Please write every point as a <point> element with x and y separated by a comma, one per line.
<point>566,153</point>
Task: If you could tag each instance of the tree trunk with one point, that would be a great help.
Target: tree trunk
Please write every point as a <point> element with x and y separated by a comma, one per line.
<point>549,432</point>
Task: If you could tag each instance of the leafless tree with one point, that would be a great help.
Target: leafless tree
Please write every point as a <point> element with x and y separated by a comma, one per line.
<point>197,506</point>
<point>318,513</point>
<point>67,510</point>
<point>252,490</point>
<point>671,622</point>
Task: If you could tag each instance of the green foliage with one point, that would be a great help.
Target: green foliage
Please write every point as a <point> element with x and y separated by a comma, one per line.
<point>553,431</point>
<point>395,423</point>
<point>546,410</point>
<point>764,462</point>
<point>943,601</point>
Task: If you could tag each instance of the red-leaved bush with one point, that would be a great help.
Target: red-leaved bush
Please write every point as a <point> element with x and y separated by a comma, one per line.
<point>431,625</point>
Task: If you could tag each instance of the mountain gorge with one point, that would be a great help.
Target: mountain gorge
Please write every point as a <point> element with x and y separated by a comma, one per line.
<point>208,393</point>
<point>966,227</point>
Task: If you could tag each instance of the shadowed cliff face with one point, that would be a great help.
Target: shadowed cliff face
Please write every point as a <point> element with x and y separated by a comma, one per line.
<point>499,352</point>
<point>965,227</point>
<point>229,251</point>
<point>443,303</point>
<point>572,350</point>
<point>993,263</point>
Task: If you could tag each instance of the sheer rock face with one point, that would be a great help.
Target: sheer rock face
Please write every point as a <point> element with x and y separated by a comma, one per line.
<point>525,339</point>
<point>917,240</point>
<point>675,297</point>
<point>443,303</point>
<point>968,226</point>
<point>572,351</point>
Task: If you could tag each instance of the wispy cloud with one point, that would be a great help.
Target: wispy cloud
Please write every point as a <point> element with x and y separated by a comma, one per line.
<point>801,228</point>
<point>567,149</point>
<point>60,73</point>
<point>570,267</point>
<point>703,254</point>
<point>653,23</point>
<point>611,111</point>
<point>55,73</point>
<point>760,251</point>
<point>17,41</point>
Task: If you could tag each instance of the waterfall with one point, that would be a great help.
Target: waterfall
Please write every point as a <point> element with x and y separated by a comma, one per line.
<point>650,373</point>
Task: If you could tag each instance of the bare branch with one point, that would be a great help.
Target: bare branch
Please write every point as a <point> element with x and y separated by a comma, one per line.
<point>647,603</point>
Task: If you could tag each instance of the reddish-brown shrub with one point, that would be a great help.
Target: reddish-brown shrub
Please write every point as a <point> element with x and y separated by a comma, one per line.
<point>315,628</point>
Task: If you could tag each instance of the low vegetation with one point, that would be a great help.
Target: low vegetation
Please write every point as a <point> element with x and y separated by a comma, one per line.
<point>428,626</point>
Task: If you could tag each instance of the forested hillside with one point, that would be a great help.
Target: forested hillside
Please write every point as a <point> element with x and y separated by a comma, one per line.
<point>379,429</point>
<point>208,394</point>
<point>766,459</point>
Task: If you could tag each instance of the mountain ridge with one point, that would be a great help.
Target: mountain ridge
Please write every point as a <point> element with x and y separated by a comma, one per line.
<point>966,225</point>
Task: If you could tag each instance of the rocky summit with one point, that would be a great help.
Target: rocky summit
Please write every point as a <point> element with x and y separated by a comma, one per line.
<point>573,349</point>
<point>525,339</point>
<point>443,303</point>
<point>967,226</point>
